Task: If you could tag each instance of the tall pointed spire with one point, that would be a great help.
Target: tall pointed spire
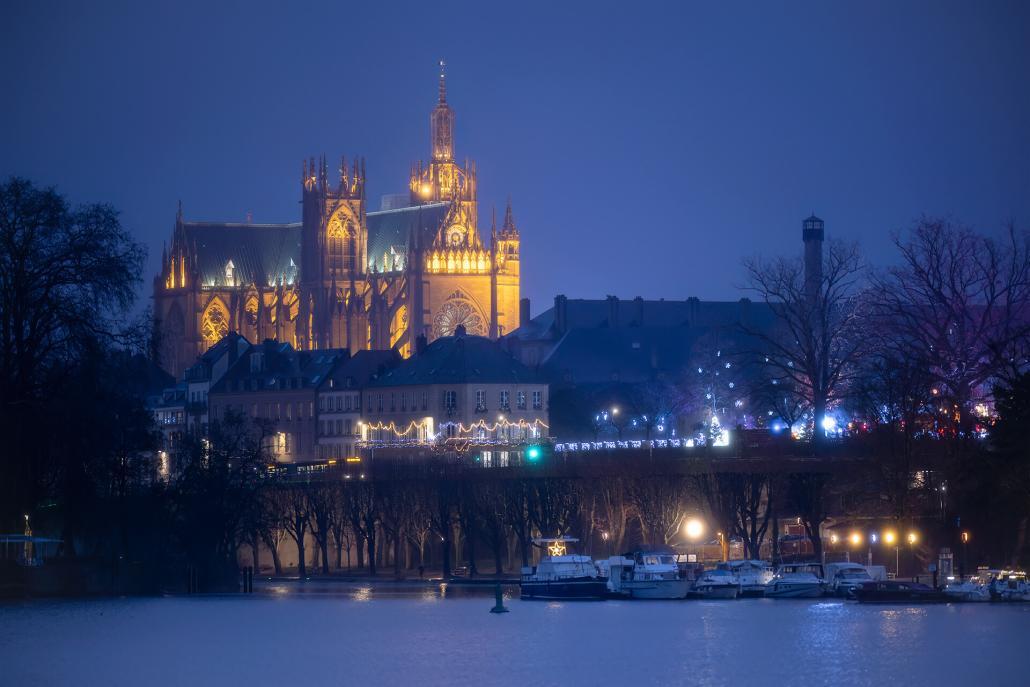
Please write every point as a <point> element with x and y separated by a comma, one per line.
<point>509,219</point>
<point>441,123</point>
<point>443,81</point>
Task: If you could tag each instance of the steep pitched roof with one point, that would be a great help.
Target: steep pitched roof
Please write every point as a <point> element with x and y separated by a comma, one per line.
<point>281,367</point>
<point>391,229</point>
<point>459,360</point>
<point>356,372</point>
<point>260,253</point>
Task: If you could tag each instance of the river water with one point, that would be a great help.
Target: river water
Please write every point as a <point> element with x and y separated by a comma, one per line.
<point>346,634</point>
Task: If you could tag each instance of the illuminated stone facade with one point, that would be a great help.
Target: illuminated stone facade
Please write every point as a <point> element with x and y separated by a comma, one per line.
<point>345,277</point>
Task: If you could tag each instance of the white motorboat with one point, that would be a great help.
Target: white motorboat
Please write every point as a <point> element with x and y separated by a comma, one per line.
<point>715,584</point>
<point>842,579</point>
<point>1009,585</point>
<point>645,575</point>
<point>561,575</point>
<point>974,588</point>
<point>796,581</point>
<point>752,575</point>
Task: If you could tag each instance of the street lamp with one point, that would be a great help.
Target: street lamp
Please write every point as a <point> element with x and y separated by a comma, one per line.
<point>912,539</point>
<point>965,561</point>
<point>872,540</point>
<point>890,538</point>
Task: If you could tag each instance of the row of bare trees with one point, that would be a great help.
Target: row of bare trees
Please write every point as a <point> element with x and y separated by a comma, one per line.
<point>494,516</point>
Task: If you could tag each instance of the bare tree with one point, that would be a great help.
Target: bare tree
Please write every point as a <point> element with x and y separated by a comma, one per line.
<point>614,508</point>
<point>806,494</point>
<point>322,509</point>
<point>958,305</point>
<point>419,524</point>
<point>554,505</point>
<point>363,515</point>
<point>291,500</point>
<point>818,337</point>
<point>659,502</point>
<point>516,515</point>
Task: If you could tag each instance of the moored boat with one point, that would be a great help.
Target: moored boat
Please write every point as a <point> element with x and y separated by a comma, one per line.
<point>561,575</point>
<point>974,588</point>
<point>752,575</point>
<point>796,581</point>
<point>897,592</point>
<point>645,575</point>
<point>715,584</point>
<point>1009,585</point>
<point>842,579</point>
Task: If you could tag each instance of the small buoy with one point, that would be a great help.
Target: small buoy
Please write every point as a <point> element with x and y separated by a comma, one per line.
<point>499,598</point>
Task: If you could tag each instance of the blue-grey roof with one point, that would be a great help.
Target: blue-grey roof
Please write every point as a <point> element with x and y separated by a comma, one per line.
<point>635,313</point>
<point>358,370</point>
<point>282,367</point>
<point>391,229</point>
<point>459,360</point>
<point>261,253</point>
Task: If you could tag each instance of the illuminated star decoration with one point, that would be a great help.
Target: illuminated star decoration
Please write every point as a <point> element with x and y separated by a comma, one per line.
<point>556,548</point>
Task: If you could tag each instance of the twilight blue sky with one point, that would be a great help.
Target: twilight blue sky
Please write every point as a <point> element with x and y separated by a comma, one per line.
<point>648,147</point>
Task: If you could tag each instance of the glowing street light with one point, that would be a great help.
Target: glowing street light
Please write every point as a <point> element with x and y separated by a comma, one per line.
<point>694,529</point>
<point>889,537</point>
<point>912,538</point>
<point>856,539</point>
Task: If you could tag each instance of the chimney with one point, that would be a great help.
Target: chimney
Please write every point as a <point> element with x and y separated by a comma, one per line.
<point>745,311</point>
<point>561,315</point>
<point>524,312</point>
<point>812,235</point>
<point>638,311</point>
<point>613,312</point>
<point>420,343</point>
<point>693,311</point>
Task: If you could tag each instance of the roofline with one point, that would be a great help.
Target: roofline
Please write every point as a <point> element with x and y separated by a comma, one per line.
<point>244,225</point>
<point>423,206</point>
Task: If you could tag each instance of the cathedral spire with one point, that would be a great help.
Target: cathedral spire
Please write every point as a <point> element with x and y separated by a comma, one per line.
<point>443,82</point>
<point>441,124</point>
<point>509,220</point>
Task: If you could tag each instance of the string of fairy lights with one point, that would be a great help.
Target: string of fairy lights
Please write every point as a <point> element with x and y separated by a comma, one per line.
<point>427,431</point>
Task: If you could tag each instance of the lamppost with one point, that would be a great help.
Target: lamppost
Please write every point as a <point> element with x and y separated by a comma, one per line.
<point>856,541</point>
<point>724,548</point>
<point>872,540</point>
<point>912,539</point>
<point>965,560</point>
<point>890,539</point>
<point>833,542</point>
<point>607,546</point>
<point>694,528</point>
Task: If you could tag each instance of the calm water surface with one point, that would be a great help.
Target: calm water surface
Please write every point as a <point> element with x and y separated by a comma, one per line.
<point>342,633</point>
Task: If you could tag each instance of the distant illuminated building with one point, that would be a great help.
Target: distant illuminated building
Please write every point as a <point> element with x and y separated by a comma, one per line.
<point>345,277</point>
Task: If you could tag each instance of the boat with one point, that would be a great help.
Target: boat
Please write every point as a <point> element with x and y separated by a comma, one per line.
<point>561,575</point>
<point>843,578</point>
<point>975,588</point>
<point>796,581</point>
<point>715,584</point>
<point>1009,585</point>
<point>752,575</point>
<point>897,592</point>
<point>645,575</point>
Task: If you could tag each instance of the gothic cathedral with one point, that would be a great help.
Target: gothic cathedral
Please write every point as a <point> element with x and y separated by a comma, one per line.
<point>345,277</point>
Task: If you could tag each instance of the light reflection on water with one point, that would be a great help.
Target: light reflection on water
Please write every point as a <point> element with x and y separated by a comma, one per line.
<point>370,591</point>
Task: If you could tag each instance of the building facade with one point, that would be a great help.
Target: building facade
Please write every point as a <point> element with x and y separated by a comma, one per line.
<point>339,403</point>
<point>275,387</point>
<point>459,391</point>
<point>345,276</point>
